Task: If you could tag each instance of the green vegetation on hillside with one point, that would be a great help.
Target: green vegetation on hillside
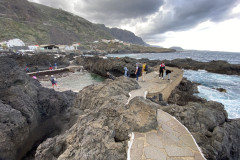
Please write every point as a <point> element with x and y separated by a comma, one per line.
<point>38,24</point>
<point>111,47</point>
<point>55,26</point>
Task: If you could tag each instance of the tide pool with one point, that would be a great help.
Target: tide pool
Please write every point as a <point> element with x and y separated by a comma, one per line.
<point>74,81</point>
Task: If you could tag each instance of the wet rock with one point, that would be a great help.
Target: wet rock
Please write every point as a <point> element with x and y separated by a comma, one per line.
<point>184,93</point>
<point>207,121</point>
<point>115,65</point>
<point>221,90</point>
<point>221,67</point>
<point>103,130</point>
<point>28,111</point>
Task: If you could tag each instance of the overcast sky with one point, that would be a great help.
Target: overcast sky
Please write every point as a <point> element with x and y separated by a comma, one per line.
<point>190,24</point>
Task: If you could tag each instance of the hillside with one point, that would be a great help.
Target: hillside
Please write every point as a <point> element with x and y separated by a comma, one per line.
<point>39,24</point>
<point>123,35</point>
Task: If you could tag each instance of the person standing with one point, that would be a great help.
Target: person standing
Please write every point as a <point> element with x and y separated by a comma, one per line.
<point>125,71</point>
<point>161,70</point>
<point>50,67</point>
<point>53,80</point>
<point>144,70</point>
<point>55,65</point>
<point>138,70</point>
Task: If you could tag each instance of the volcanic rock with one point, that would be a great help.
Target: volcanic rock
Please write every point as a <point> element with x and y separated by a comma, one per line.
<point>115,65</point>
<point>103,130</point>
<point>208,122</point>
<point>184,93</point>
<point>28,112</point>
<point>221,67</point>
<point>41,61</point>
<point>221,89</point>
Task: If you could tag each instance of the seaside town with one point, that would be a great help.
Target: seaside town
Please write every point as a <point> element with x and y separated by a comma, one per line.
<point>18,46</point>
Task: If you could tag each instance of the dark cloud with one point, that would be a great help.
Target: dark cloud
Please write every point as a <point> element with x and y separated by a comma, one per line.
<point>148,17</point>
<point>116,11</point>
<point>184,14</point>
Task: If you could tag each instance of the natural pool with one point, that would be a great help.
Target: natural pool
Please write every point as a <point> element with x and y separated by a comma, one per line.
<point>72,81</point>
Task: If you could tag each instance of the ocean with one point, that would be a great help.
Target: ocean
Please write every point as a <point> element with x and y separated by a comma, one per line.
<point>208,81</point>
<point>202,56</point>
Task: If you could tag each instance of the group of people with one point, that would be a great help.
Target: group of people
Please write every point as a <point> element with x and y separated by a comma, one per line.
<point>162,70</point>
<point>51,68</point>
<point>141,69</point>
<point>144,68</point>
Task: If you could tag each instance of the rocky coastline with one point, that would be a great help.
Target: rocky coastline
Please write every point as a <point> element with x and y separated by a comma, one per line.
<point>28,112</point>
<point>207,121</point>
<point>96,122</point>
<point>101,66</point>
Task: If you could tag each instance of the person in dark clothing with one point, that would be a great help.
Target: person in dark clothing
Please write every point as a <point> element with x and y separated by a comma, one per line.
<point>138,70</point>
<point>168,72</point>
<point>161,70</point>
<point>53,80</point>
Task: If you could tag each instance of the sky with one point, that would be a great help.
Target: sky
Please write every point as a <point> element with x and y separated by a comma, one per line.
<point>191,24</point>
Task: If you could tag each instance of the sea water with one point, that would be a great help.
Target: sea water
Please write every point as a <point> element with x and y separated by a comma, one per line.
<point>73,81</point>
<point>210,81</point>
<point>202,56</point>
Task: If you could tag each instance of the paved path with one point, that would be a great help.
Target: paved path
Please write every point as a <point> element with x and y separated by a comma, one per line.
<point>171,140</point>
<point>55,71</point>
<point>155,86</point>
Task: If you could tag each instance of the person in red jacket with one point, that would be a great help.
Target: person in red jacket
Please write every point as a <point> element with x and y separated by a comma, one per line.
<point>161,70</point>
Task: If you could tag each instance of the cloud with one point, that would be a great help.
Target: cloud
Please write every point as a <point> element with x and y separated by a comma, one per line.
<point>182,15</point>
<point>63,4</point>
<point>109,12</point>
<point>148,18</point>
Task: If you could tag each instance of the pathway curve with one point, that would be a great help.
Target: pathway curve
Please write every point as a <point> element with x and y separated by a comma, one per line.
<point>171,140</point>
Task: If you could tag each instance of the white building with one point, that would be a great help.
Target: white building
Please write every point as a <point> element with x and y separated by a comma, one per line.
<point>13,43</point>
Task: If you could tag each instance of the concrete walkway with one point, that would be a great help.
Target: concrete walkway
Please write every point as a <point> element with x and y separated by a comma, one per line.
<point>171,140</point>
<point>55,71</point>
<point>154,86</point>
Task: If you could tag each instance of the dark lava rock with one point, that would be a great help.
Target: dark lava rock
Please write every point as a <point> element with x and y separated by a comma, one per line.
<point>41,61</point>
<point>103,130</point>
<point>221,89</point>
<point>184,93</point>
<point>208,122</point>
<point>221,67</point>
<point>115,65</point>
<point>28,112</point>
